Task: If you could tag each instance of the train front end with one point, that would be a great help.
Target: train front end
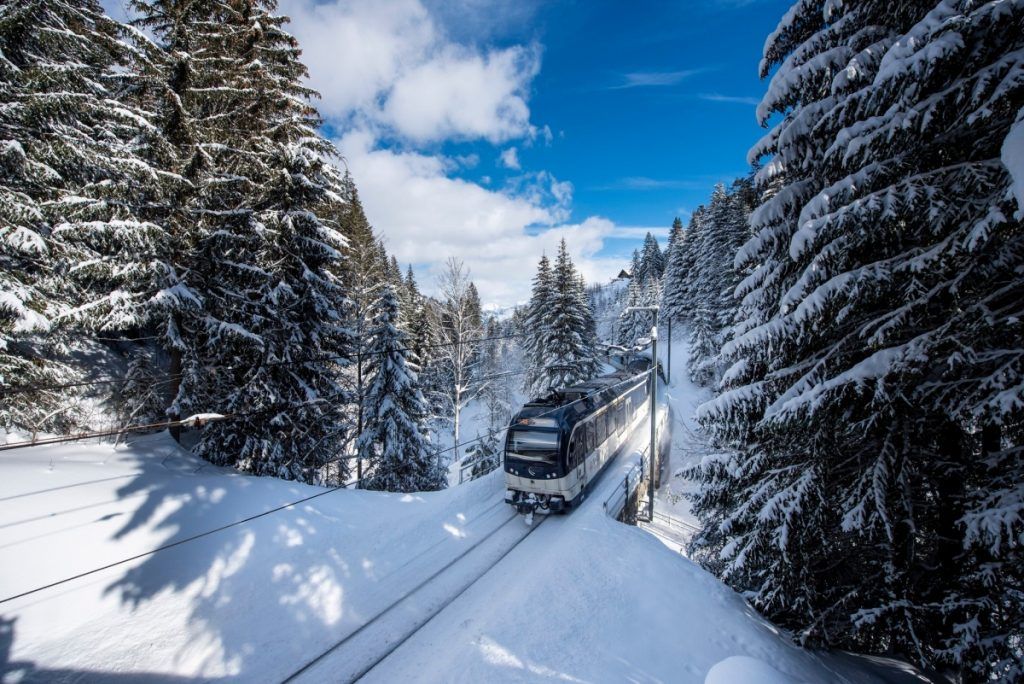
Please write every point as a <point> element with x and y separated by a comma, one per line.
<point>533,464</point>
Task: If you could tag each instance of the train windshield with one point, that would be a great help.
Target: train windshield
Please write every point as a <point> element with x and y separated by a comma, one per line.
<point>533,445</point>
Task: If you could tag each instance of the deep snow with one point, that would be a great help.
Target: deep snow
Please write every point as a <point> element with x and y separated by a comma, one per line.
<point>583,598</point>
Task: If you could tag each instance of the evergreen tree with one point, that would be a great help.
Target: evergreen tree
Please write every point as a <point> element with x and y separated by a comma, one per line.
<point>74,166</point>
<point>674,236</point>
<point>394,436</point>
<point>484,454</point>
<point>361,272</point>
<point>567,332</point>
<point>868,491</point>
<point>652,261</point>
<point>408,300</point>
<point>264,256</point>
<point>713,283</point>
<point>675,304</point>
<point>533,324</point>
<point>632,324</point>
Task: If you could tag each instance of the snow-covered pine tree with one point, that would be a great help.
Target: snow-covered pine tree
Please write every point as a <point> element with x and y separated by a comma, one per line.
<point>484,454</point>
<point>72,173</point>
<point>361,272</point>
<point>675,234</point>
<point>394,437</point>
<point>652,261</point>
<point>181,85</point>
<point>693,245</point>
<point>494,392</point>
<point>632,324</point>
<point>869,490</point>
<point>274,314</point>
<point>567,330</point>
<point>645,289</point>
<point>635,267</point>
<point>713,282</point>
<point>533,324</point>
<point>408,300</point>
<point>676,306</point>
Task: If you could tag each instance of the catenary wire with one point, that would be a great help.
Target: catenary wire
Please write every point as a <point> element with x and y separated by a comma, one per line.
<point>282,507</point>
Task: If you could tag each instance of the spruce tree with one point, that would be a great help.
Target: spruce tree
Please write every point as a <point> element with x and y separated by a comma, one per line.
<point>868,490</point>
<point>264,255</point>
<point>674,236</point>
<point>675,304</point>
<point>361,272</point>
<point>568,340</point>
<point>394,436</point>
<point>652,261</point>
<point>713,282</point>
<point>73,158</point>
<point>484,454</point>
<point>533,325</point>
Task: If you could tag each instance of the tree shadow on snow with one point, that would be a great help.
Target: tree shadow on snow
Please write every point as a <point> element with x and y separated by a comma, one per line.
<point>265,596</point>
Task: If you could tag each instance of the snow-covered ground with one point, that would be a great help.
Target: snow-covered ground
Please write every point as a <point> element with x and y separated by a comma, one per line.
<point>684,397</point>
<point>582,598</point>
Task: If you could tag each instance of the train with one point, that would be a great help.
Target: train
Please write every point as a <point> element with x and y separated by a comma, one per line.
<point>558,445</point>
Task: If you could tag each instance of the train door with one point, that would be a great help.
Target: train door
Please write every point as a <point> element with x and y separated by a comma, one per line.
<point>576,454</point>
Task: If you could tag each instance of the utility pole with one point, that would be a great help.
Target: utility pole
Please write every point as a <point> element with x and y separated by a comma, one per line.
<point>653,453</point>
<point>669,380</point>
<point>654,413</point>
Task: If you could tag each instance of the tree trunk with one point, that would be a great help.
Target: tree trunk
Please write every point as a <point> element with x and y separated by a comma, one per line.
<point>359,414</point>
<point>175,384</point>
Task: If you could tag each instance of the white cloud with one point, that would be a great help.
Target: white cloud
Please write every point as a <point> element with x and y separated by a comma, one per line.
<point>510,158</point>
<point>427,216</point>
<point>463,95</point>
<point>394,84</point>
<point>734,99</point>
<point>390,65</point>
<point>642,79</point>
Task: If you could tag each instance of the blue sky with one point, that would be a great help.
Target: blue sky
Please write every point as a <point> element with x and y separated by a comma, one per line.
<point>650,103</point>
<point>488,130</point>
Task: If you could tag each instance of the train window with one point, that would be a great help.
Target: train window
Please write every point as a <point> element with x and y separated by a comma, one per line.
<point>590,437</point>
<point>575,448</point>
<point>533,445</point>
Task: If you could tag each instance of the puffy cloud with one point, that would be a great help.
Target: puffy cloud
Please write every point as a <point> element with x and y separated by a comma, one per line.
<point>397,78</point>
<point>389,64</point>
<point>458,94</point>
<point>426,216</point>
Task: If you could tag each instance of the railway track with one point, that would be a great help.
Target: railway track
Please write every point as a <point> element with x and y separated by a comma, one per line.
<point>358,652</point>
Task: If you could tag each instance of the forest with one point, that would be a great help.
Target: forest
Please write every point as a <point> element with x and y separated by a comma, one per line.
<point>184,248</point>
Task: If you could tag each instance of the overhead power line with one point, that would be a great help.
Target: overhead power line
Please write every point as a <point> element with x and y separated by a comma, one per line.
<point>273,510</point>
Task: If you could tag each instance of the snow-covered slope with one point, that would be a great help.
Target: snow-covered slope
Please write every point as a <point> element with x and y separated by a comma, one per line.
<point>248,601</point>
<point>583,598</point>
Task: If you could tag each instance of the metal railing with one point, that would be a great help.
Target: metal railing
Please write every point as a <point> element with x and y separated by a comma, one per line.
<point>618,499</point>
<point>674,522</point>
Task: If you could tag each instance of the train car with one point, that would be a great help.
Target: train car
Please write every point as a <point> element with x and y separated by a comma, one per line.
<point>556,446</point>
